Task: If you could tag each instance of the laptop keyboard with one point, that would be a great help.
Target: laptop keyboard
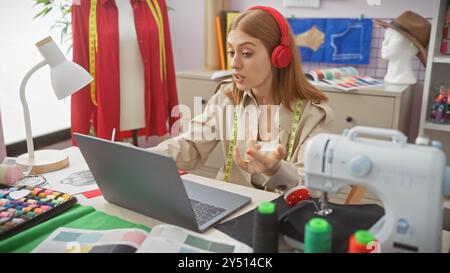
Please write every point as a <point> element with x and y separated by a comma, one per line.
<point>204,212</point>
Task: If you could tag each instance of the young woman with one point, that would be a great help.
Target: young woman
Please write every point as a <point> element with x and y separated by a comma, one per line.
<point>266,72</point>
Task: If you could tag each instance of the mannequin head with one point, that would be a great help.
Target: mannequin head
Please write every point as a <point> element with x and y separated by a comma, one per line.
<point>395,46</point>
<point>412,26</point>
<point>399,51</point>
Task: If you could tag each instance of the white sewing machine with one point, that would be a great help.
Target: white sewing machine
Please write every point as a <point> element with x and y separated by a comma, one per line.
<point>407,178</point>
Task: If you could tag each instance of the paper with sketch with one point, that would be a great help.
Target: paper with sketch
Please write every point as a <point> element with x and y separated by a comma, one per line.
<point>77,169</point>
<point>79,179</point>
<point>163,238</point>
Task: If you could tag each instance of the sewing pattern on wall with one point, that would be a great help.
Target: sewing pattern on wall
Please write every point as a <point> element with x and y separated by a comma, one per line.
<point>345,41</point>
<point>349,40</point>
<point>309,36</point>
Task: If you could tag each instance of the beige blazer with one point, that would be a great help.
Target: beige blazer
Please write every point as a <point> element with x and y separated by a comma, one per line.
<point>190,152</point>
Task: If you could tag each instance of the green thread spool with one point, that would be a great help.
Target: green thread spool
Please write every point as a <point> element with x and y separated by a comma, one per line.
<point>266,208</point>
<point>318,236</point>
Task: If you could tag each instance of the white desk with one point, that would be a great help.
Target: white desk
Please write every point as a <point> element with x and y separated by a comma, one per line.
<point>100,204</point>
<point>257,196</point>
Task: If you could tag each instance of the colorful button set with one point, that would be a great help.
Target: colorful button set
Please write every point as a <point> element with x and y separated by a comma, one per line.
<point>19,205</point>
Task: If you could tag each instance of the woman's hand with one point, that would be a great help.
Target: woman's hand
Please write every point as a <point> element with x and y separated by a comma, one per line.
<point>256,161</point>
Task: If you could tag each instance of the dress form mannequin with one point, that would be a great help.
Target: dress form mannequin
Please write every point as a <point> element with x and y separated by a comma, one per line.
<point>132,82</point>
<point>399,51</point>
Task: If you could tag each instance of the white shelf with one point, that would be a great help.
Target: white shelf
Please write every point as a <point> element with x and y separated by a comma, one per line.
<point>437,127</point>
<point>436,74</point>
<point>442,59</point>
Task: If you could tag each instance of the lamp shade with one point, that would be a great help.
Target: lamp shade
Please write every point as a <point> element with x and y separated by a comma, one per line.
<point>67,77</point>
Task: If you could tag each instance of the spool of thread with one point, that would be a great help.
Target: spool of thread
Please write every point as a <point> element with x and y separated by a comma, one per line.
<point>265,229</point>
<point>318,236</point>
<point>359,242</point>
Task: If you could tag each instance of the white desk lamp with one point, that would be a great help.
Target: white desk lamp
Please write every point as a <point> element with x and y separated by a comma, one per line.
<point>67,78</point>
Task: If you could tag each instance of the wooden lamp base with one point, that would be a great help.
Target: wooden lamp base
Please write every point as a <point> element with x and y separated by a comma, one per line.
<point>44,161</point>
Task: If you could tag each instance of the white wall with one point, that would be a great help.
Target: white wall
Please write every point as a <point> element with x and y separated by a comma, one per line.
<point>18,35</point>
<point>187,32</point>
<point>345,8</point>
<point>186,22</point>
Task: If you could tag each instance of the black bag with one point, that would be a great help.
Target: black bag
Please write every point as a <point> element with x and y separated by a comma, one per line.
<point>345,220</point>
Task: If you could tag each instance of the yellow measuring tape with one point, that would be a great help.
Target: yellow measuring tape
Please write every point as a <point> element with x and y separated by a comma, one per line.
<point>93,38</point>
<point>294,126</point>
<point>233,140</point>
<point>290,147</point>
<point>93,46</point>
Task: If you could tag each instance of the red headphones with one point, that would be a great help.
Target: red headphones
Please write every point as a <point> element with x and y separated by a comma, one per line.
<point>282,54</point>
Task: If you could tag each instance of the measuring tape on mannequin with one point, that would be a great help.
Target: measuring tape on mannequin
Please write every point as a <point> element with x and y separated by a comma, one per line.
<point>290,147</point>
<point>93,42</point>
<point>93,46</point>
<point>157,15</point>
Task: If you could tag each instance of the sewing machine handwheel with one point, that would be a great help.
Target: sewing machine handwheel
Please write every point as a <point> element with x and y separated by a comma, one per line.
<point>296,194</point>
<point>359,165</point>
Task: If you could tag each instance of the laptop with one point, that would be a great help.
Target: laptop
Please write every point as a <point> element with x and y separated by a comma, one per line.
<point>149,183</point>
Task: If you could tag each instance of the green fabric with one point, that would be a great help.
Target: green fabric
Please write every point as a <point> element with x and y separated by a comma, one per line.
<point>83,217</point>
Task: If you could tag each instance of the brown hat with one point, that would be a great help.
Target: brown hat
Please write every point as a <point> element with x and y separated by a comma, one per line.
<point>414,27</point>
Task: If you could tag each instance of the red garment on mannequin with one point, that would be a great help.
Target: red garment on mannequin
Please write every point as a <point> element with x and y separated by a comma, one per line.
<point>160,95</point>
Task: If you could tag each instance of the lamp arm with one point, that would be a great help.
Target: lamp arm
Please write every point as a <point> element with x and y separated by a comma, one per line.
<point>26,111</point>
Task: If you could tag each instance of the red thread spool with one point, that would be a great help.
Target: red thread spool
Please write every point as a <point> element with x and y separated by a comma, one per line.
<point>360,241</point>
<point>296,194</point>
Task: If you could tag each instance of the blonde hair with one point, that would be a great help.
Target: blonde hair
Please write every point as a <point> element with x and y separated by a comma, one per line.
<point>288,83</point>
